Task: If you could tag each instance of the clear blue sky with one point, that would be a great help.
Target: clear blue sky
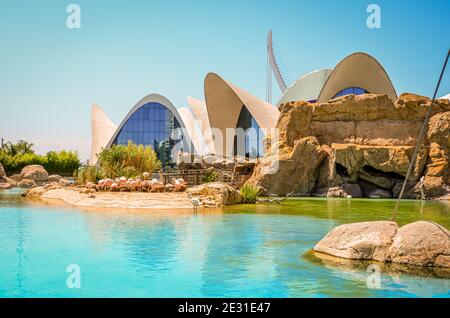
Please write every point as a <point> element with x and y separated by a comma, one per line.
<point>50,75</point>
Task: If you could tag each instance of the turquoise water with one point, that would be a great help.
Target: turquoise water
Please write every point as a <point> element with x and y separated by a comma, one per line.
<point>240,252</point>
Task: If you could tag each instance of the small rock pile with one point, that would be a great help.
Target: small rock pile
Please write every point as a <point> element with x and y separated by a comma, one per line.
<point>214,194</point>
<point>30,177</point>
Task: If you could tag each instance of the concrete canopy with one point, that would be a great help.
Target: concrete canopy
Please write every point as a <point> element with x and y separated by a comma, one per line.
<point>102,130</point>
<point>200,112</point>
<point>224,102</point>
<point>307,87</point>
<point>358,70</point>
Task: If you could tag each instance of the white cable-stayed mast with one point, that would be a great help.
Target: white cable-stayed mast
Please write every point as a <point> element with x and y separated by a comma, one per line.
<point>272,66</point>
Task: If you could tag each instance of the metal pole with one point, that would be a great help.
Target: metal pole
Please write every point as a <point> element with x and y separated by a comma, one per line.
<point>419,140</point>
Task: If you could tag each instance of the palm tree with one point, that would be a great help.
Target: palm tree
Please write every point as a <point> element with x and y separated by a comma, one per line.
<point>9,148</point>
<point>24,147</point>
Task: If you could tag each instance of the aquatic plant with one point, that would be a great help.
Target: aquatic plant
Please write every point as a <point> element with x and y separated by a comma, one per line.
<point>131,159</point>
<point>249,193</point>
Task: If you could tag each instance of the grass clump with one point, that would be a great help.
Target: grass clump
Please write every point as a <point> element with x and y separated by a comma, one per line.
<point>249,193</point>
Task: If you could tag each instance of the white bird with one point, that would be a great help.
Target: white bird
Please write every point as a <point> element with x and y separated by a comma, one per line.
<point>195,202</point>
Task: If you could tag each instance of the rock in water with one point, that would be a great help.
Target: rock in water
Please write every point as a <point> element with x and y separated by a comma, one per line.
<point>54,178</point>
<point>36,193</point>
<point>27,184</point>
<point>364,241</point>
<point>421,243</point>
<point>352,189</point>
<point>36,173</point>
<point>5,186</point>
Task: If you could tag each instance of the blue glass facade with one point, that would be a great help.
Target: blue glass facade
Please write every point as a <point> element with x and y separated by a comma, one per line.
<point>351,90</point>
<point>254,147</point>
<point>151,125</point>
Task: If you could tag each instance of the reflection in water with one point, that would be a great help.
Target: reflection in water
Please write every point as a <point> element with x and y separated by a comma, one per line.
<point>20,240</point>
<point>419,281</point>
<point>241,251</point>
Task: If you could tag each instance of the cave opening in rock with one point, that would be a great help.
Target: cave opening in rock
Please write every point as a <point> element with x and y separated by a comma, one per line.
<point>379,173</point>
<point>342,171</point>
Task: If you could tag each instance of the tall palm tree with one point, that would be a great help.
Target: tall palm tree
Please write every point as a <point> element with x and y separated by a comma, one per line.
<point>23,147</point>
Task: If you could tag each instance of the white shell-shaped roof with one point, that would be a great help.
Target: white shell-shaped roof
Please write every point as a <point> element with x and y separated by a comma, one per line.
<point>307,87</point>
<point>358,70</point>
<point>102,130</point>
<point>224,102</point>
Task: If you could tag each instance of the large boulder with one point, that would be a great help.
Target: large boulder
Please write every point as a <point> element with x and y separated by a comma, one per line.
<point>2,171</point>
<point>12,182</point>
<point>54,178</point>
<point>36,173</point>
<point>36,193</point>
<point>421,243</point>
<point>364,241</point>
<point>5,186</point>
<point>16,177</point>
<point>221,193</point>
<point>27,184</point>
<point>294,170</point>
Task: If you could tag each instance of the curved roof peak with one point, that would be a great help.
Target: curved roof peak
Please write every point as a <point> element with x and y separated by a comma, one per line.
<point>150,98</point>
<point>102,129</point>
<point>224,102</point>
<point>358,69</point>
<point>307,87</point>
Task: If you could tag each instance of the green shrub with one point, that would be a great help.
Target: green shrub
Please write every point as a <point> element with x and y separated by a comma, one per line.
<point>88,174</point>
<point>15,157</point>
<point>211,176</point>
<point>129,172</point>
<point>130,159</point>
<point>249,193</point>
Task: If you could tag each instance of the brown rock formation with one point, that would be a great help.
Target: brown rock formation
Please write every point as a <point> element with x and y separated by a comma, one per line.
<point>36,173</point>
<point>27,184</point>
<point>366,139</point>
<point>218,192</point>
<point>421,243</point>
<point>294,170</point>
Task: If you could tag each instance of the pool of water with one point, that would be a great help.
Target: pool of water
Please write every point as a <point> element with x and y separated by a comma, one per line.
<point>242,251</point>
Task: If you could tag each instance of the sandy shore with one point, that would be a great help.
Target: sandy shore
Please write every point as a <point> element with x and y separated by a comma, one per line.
<point>120,200</point>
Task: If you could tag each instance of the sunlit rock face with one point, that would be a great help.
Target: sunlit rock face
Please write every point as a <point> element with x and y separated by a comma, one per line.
<point>367,140</point>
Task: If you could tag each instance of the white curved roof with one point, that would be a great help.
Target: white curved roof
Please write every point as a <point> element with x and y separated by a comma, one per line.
<point>307,87</point>
<point>445,97</point>
<point>224,102</point>
<point>193,129</point>
<point>358,70</point>
<point>200,112</point>
<point>152,98</point>
<point>102,130</point>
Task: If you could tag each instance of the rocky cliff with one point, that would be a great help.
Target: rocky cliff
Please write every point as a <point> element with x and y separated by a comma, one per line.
<point>364,143</point>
